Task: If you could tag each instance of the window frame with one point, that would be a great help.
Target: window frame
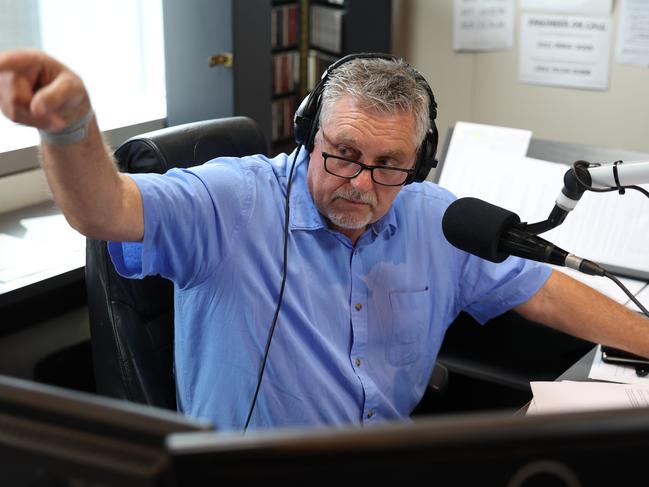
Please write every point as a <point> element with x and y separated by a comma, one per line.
<point>19,166</point>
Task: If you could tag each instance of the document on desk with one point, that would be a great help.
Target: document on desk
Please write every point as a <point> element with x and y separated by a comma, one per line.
<point>47,243</point>
<point>19,257</point>
<point>566,396</point>
<point>55,231</point>
<point>625,374</point>
<point>489,163</point>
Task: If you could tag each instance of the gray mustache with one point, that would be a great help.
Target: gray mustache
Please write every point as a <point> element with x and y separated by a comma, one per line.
<point>355,195</point>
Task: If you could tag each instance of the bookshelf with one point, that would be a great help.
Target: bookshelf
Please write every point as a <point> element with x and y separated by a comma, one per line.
<point>275,57</point>
<point>285,41</point>
<point>328,30</point>
<point>341,27</point>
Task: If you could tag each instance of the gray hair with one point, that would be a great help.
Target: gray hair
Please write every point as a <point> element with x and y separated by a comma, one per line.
<point>382,85</point>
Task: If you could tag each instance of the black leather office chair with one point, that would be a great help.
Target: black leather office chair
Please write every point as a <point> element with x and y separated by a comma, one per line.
<point>131,321</point>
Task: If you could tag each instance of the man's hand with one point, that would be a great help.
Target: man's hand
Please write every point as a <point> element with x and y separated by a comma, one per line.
<point>39,91</point>
<point>96,199</point>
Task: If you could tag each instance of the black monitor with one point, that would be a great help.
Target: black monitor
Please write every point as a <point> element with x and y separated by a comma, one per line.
<point>50,436</point>
<point>484,449</point>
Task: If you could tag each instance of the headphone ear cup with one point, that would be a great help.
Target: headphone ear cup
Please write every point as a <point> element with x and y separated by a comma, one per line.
<point>302,122</point>
<point>305,121</point>
<point>426,157</point>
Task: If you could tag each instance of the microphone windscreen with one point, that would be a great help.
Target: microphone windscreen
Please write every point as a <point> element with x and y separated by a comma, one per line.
<point>475,226</point>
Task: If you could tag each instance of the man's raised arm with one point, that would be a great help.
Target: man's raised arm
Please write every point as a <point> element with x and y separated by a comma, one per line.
<point>97,200</point>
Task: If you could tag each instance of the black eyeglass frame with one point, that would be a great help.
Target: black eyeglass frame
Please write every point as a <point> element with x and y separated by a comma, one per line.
<point>361,167</point>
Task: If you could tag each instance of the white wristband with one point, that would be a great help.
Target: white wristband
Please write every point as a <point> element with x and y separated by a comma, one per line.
<point>74,132</point>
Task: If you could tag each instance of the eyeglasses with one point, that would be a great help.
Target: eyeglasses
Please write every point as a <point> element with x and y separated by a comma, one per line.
<point>349,169</point>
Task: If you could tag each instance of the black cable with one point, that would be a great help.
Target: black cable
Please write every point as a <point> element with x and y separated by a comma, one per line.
<point>620,189</point>
<point>628,293</point>
<point>280,297</point>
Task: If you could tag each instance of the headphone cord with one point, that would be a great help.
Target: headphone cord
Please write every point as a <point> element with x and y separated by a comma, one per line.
<point>280,297</point>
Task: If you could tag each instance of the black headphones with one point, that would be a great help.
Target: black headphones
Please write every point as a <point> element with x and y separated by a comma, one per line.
<point>305,122</point>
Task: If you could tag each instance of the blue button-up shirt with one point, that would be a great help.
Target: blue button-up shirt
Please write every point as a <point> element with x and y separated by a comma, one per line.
<point>359,327</point>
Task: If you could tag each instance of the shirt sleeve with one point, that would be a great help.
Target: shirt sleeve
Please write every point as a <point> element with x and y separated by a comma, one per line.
<point>191,219</point>
<point>490,289</point>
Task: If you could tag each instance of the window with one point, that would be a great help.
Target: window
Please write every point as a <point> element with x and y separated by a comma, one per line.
<point>116,47</point>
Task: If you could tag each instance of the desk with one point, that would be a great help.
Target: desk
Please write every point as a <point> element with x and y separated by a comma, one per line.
<point>42,295</point>
<point>39,252</point>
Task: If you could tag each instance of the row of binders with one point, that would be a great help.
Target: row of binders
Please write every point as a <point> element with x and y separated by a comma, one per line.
<point>283,110</point>
<point>326,28</point>
<point>284,26</point>
<point>317,63</point>
<point>286,72</point>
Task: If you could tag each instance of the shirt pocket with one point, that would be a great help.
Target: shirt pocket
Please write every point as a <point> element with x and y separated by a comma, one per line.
<point>410,317</point>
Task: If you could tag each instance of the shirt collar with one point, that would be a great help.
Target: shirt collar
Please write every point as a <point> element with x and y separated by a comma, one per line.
<point>304,214</point>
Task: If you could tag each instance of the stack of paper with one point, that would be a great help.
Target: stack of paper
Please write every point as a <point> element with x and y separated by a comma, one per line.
<point>566,396</point>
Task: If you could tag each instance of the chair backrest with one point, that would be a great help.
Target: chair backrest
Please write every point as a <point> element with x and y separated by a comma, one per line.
<point>131,321</point>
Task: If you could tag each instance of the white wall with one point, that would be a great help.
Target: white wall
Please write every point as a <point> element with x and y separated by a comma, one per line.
<point>484,87</point>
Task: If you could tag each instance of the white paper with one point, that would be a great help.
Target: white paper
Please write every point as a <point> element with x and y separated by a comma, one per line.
<point>483,25</point>
<point>565,51</point>
<point>576,7</point>
<point>472,150</point>
<point>566,396</point>
<point>19,258</point>
<point>53,230</point>
<point>48,245</point>
<point>608,228</point>
<point>624,374</point>
<point>633,33</point>
<point>643,296</point>
<point>488,162</point>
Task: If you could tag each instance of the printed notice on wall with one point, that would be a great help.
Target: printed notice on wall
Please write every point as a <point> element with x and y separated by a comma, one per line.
<point>574,7</point>
<point>483,25</point>
<point>565,51</point>
<point>633,33</point>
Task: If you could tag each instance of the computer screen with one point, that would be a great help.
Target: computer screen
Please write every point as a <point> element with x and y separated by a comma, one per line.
<point>489,449</point>
<point>55,436</point>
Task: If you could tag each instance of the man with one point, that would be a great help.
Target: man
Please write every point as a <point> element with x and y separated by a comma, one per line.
<point>372,284</point>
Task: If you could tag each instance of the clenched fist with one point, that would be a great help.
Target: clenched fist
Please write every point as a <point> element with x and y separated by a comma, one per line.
<point>39,91</point>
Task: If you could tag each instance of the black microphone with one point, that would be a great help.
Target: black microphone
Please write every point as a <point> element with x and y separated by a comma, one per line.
<point>494,233</point>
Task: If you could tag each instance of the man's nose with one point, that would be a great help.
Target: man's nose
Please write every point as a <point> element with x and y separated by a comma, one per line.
<point>363,181</point>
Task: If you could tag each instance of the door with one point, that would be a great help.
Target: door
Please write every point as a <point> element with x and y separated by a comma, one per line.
<point>195,31</point>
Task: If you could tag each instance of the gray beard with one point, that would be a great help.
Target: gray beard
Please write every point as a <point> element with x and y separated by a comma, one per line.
<point>344,220</point>
<point>349,221</point>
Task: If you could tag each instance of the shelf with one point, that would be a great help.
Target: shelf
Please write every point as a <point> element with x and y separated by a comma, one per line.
<point>285,95</point>
<point>278,50</point>
<point>336,4</point>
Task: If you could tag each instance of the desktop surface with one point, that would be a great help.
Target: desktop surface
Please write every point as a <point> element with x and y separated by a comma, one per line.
<point>39,252</point>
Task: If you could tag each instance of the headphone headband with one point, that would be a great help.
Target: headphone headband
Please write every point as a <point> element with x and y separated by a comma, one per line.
<point>306,119</point>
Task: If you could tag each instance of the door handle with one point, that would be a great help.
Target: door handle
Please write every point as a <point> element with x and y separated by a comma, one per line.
<point>221,59</point>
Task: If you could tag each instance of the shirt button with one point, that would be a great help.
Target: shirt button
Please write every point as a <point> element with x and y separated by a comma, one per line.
<point>370,413</point>
<point>357,362</point>
<point>358,306</point>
